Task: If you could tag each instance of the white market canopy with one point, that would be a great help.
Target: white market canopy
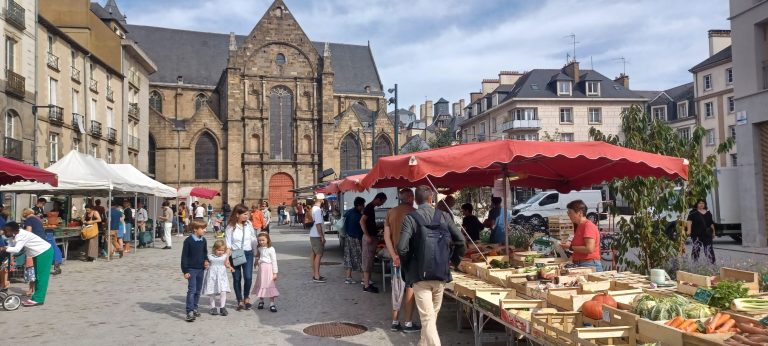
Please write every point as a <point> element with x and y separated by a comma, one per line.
<point>136,176</point>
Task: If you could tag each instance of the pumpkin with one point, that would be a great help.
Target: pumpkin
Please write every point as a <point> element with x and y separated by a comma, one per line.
<point>593,309</point>
<point>493,253</point>
<point>606,299</point>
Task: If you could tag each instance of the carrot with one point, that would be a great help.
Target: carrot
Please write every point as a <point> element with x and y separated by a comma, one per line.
<point>712,320</point>
<point>726,326</point>
<point>685,324</point>
<point>690,327</point>
<point>676,322</point>
<point>718,323</point>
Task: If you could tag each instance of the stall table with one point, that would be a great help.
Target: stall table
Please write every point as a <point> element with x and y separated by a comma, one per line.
<point>63,235</point>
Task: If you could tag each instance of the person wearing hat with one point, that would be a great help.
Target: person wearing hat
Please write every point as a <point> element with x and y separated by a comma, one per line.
<point>317,238</point>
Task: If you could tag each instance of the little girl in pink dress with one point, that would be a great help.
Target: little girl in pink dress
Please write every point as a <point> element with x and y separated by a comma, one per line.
<point>267,275</point>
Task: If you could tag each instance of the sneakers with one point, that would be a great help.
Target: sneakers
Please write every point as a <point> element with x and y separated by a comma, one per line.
<point>273,308</point>
<point>320,279</point>
<point>190,316</point>
<point>371,289</point>
<point>167,248</point>
<point>30,303</point>
<point>214,311</point>
<point>349,281</point>
<point>196,313</point>
<point>412,329</point>
<point>396,327</point>
<point>224,312</point>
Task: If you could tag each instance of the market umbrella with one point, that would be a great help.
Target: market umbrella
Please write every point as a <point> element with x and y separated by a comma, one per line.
<point>12,171</point>
<point>563,166</point>
<point>350,183</point>
<point>200,192</point>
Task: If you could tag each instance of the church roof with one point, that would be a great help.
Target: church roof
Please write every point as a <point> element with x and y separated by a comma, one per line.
<point>110,11</point>
<point>200,57</point>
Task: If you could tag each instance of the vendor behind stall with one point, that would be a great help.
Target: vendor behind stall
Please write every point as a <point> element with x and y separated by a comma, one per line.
<point>495,221</point>
<point>586,239</point>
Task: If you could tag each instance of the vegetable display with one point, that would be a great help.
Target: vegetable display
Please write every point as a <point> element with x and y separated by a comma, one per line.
<point>724,292</point>
<point>593,309</point>
<point>496,264</point>
<point>698,310</point>
<point>605,298</point>
<point>659,309</point>
<point>750,304</point>
<point>485,236</point>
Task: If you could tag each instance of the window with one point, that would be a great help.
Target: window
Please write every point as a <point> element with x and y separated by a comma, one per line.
<point>495,100</point>
<point>10,54</point>
<point>75,99</point>
<point>53,86</point>
<point>280,124</point>
<point>152,156</point>
<point>593,88</point>
<point>549,199</point>
<point>73,56</point>
<point>659,113</point>
<point>383,148</point>
<point>109,81</point>
<point>109,116</point>
<point>731,104</point>
<point>280,59</point>
<point>732,131</point>
<point>734,160</point>
<point>682,110</point>
<point>93,110</point>
<point>624,110</point>
<point>481,134</point>
<point>10,125</point>
<point>595,115</point>
<point>156,101</point>
<point>710,137</point>
<point>76,144</point>
<point>526,137</point>
<point>494,124</point>
<point>350,153</point>
<point>566,137</point>
<point>110,156</point>
<point>708,82</point>
<point>206,157</point>
<point>50,43</point>
<point>525,114</point>
<point>53,147</point>
<point>684,133</point>
<point>94,150</point>
<point>566,115</point>
<point>729,76</point>
<point>564,88</point>
<point>709,110</point>
<point>200,100</point>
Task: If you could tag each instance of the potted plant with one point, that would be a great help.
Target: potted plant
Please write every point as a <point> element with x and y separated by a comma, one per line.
<point>519,241</point>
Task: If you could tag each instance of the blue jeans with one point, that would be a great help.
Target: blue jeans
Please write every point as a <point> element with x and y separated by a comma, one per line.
<point>57,256</point>
<point>194,286</point>
<point>128,235</point>
<point>592,264</point>
<point>243,276</point>
<point>280,218</point>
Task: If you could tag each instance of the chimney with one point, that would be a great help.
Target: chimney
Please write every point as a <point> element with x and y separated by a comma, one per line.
<point>474,97</point>
<point>489,85</point>
<point>232,41</point>
<point>509,77</point>
<point>421,112</point>
<point>718,40</point>
<point>572,70</point>
<point>623,80</point>
<point>412,109</point>
<point>428,111</point>
<point>461,107</point>
<point>455,110</point>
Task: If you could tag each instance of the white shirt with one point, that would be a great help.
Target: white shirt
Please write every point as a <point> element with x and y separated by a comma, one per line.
<point>199,211</point>
<point>25,239</point>
<point>317,216</point>
<point>141,215</point>
<point>267,255</point>
<point>234,237</point>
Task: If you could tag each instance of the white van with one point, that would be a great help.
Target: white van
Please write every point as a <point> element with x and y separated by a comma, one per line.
<point>542,205</point>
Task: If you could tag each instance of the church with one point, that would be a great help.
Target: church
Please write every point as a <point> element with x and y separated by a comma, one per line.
<point>260,115</point>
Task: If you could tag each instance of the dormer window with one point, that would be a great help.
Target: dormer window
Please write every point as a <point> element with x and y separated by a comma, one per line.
<point>593,88</point>
<point>564,88</point>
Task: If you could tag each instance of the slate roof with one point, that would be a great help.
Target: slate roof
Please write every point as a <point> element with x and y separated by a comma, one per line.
<point>680,92</point>
<point>441,100</point>
<point>417,142</point>
<point>546,88</point>
<point>406,116</point>
<point>647,94</point>
<point>718,58</point>
<point>200,57</point>
<point>365,114</point>
<point>110,11</point>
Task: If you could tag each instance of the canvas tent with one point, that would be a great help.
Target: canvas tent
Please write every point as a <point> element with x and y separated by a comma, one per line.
<point>153,187</point>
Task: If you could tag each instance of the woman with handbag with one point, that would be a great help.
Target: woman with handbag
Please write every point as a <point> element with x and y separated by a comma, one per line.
<point>240,237</point>
<point>90,232</point>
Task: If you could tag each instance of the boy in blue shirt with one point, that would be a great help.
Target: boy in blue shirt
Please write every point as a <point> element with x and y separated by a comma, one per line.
<point>194,260</point>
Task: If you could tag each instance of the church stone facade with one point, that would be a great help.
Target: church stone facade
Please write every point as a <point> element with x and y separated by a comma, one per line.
<point>259,115</point>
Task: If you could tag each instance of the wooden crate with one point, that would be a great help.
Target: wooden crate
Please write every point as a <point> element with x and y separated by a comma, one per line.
<point>509,309</point>
<point>615,336</point>
<point>616,276</point>
<point>571,299</point>
<point>564,328</point>
<point>468,289</point>
<point>488,299</point>
<point>688,283</point>
<point>751,280</point>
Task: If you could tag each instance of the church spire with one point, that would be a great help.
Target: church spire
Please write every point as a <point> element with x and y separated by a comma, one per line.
<point>114,11</point>
<point>327,67</point>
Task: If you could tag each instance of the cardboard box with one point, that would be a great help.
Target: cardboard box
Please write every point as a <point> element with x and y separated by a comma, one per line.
<point>468,289</point>
<point>509,307</point>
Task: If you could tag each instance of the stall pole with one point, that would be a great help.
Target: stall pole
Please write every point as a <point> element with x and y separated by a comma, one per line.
<point>154,222</point>
<point>135,234</point>
<point>109,224</point>
<point>506,213</point>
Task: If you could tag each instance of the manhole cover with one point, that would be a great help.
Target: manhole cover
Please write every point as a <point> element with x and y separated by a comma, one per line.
<point>330,263</point>
<point>335,329</point>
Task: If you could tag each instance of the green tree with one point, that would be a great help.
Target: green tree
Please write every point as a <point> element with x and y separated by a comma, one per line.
<point>652,199</point>
<point>442,138</point>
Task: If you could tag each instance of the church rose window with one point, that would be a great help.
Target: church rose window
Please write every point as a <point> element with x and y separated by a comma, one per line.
<point>206,157</point>
<point>280,124</point>
<point>350,153</point>
<point>280,59</point>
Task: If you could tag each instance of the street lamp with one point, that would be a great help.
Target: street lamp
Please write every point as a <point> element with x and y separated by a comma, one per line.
<point>392,100</point>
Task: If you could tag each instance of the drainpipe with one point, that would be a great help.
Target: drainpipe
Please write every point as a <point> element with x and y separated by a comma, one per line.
<point>86,105</point>
<point>34,100</point>
<point>124,109</point>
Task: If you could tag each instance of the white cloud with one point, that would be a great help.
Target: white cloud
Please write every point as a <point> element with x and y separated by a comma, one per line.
<point>443,48</point>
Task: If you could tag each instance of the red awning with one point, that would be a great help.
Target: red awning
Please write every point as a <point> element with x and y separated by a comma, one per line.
<point>563,166</point>
<point>200,192</point>
<point>12,171</point>
<point>350,183</point>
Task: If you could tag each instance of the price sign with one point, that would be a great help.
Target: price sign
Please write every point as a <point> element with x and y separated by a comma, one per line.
<point>539,265</point>
<point>764,321</point>
<point>703,295</point>
<point>606,315</point>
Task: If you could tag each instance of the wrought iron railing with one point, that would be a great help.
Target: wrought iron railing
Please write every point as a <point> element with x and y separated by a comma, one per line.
<point>111,134</point>
<point>16,83</point>
<point>110,94</point>
<point>134,142</point>
<point>93,85</point>
<point>75,74</point>
<point>95,128</point>
<point>133,110</point>
<point>53,61</point>
<point>15,14</point>
<point>12,148</point>
<point>56,114</point>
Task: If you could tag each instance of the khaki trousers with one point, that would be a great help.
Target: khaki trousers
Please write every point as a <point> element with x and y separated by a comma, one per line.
<point>429,298</point>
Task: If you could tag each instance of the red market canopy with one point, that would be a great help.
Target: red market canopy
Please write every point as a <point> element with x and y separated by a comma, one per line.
<point>350,183</point>
<point>563,166</point>
<point>200,192</point>
<point>12,171</point>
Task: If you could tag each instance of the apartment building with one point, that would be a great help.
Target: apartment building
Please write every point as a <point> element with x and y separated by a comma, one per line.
<point>749,25</point>
<point>552,104</point>
<point>675,106</point>
<point>713,88</point>
<point>17,84</point>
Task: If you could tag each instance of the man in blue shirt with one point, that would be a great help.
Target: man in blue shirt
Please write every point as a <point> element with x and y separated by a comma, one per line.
<point>115,231</point>
<point>495,221</point>
<point>353,256</point>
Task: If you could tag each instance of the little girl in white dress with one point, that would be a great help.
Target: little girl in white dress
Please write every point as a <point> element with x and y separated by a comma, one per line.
<point>265,283</point>
<point>216,278</point>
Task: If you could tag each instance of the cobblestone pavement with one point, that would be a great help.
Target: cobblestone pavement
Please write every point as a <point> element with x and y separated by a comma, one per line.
<point>139,299</point>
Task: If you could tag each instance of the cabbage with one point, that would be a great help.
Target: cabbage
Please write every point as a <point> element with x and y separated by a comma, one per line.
<point>641,298</point>
<point>644,308</point>
<point>696,310</point>
<point>485,236</point>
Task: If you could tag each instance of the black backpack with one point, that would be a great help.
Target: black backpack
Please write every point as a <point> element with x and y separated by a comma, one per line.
<point>433,249</point>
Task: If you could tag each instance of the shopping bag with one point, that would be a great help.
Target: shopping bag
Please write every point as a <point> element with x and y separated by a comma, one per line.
<point>398,287</point>
<point>89,231</point>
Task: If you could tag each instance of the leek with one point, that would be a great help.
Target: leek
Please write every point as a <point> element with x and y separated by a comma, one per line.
<point>749,304</point>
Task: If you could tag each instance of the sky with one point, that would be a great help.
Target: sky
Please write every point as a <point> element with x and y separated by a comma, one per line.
<point>445,48</point>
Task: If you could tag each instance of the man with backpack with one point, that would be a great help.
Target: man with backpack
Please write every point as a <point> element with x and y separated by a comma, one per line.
<point>429,243</point>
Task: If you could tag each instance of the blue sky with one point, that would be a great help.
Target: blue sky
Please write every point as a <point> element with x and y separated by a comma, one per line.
<point>444,48</point>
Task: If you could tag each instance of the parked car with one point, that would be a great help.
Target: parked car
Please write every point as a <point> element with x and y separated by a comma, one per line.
<point>537,209</point>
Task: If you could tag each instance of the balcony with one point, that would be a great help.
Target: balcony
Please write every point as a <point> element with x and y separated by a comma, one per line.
<point>16,83</point>
<point>110,94</point>
<point>78,123</point>
<point>56,114</point>
<point>93,85</point>
<point>95,128</point>
<point>75,75</point>
<point>135,79</point>
<point>15,15</point>
<point>52,61</point>
<point>521,125</point>
<point>134,143</point>
<point>111,135</point>
<point>12,148</point>
<point>133,110</point>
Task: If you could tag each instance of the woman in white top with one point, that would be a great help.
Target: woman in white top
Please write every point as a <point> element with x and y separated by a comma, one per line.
<point>267,215</point>
<point>42,256</point>
<point>240,235</point>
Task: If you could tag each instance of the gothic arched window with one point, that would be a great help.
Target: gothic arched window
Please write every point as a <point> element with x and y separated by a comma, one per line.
<point>280,124</point>
<point>350,153</point>
<point>152,156</point>
<point>383,148</point>
<point>200,100</point>
<point>206,157</point>
<point>156,101</point>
